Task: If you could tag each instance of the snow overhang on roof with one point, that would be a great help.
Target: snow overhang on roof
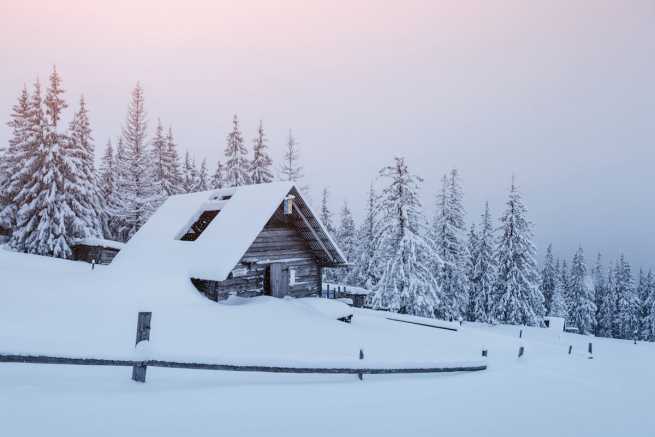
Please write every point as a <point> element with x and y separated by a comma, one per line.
<point>243,212</point>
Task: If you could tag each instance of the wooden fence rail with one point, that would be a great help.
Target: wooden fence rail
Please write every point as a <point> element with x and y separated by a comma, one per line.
<point>139,367</point>
<point>44,359</point>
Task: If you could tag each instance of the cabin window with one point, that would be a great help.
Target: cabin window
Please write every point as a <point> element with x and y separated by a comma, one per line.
<point>199,226</point>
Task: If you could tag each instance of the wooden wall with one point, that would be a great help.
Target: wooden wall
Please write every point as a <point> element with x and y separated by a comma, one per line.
<point>102,255</point>
<point>279,241</point>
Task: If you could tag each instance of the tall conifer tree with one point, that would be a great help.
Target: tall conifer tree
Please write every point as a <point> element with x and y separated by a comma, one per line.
<point>237,167</point>
<point>260,167</point>
<point>140,197</point>
<point>519,299</point>
<point>407,283</point>
<point>484,271</point>
<point>581,305</point>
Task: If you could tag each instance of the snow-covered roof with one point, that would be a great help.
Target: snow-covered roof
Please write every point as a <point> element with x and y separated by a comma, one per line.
<point>244,211</point>
<point>110,244</point>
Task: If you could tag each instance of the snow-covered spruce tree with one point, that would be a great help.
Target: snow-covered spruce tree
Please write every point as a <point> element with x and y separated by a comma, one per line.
<point>218,179</point>
<point>159,163</point>
<point>325,215</point>
<point>82,190</point>
<point>607,310</point>
<point>203,177</point>
<point>173,181</point>
<point>407,283</point>
<point>565,280</point>
<point>237,167</point>
<point>42,208</point>
<point>548,278</point>
<point>472,245</point>
<point>557,304</point>
<point>140,198</point>
<point>108,186</point>
<point>347,240</point>
<point>598,279</point>
<point>519,300</point>
<point>366,270</point>
<point>14,158</point>
<point>484,271</point>
<point>291,170</point>
<point>188,174</point>
<point>449,236</point>
<point>581,305</point>
<point>649,320</point>
<point>261,166</point>
<point>626,322</point>
<point>107,174</point>
<point>642,295</point>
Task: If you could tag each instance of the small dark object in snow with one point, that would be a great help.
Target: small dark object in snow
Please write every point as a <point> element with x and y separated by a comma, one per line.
<point>590,348</point>
<point>361,357</point>
<point>484,352</point>
<point>346,319</point>
<point>521,333</point>
<point>570,349</point>
<point>521,351</point>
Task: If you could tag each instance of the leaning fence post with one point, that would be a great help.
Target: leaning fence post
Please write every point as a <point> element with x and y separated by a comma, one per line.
<point>521,351</point>
<point>361,357</point>
<point>570,349</point>
<point>142,333</point>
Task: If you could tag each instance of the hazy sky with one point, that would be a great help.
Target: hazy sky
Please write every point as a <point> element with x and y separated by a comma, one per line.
<point>561,93</point>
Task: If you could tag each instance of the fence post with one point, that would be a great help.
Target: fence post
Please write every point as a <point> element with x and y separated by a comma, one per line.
<point>327,294</point>
<point>521,333</point>
<point>521,351</point>
<point>361,357</point>
<point>570,349</point>
<point>590,348</point>
<point>484,352</point>
<point>142,333</point>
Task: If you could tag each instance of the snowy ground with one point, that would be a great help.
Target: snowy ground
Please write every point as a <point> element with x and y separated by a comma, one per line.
<point>67,309</point>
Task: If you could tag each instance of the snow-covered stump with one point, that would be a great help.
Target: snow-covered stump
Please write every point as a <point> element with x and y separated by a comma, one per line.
<point>142,334</point>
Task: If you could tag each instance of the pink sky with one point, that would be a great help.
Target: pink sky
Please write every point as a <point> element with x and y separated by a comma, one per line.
<point>559,92</point>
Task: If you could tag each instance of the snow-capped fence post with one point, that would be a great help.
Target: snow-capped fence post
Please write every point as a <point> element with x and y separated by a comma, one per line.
<point>93,264</point>
<point>142,333</point>
<point>361,357</point>
<point>521,351</point>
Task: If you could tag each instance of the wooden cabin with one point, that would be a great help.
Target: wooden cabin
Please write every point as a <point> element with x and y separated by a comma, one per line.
<point>96,250</point>
<point>286,257</point>
<point>4,235</point>
<point>247,241</point>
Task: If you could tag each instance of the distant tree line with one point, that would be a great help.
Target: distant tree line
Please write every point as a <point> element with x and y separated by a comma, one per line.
<point>435,268</point>
<point>51,193</point>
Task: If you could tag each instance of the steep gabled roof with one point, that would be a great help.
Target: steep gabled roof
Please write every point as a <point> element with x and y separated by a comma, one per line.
<point>217,242</point>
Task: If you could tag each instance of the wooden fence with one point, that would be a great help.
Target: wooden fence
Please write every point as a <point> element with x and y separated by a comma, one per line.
<point>139,367</point>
